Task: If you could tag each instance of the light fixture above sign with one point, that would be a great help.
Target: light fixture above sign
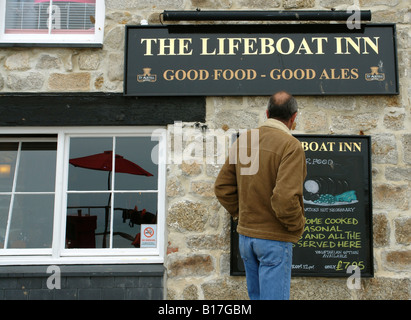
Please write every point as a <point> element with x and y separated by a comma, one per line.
<point>263,15</point>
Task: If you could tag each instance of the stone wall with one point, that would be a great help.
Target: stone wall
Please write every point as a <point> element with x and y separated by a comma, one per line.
<point>197,258</point>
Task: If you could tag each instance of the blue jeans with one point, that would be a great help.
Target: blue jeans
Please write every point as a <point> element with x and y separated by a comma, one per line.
<point>267,267</point>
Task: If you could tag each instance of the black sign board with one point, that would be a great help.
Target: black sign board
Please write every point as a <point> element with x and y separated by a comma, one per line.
<point>338,209</point>
<point>304,59</point>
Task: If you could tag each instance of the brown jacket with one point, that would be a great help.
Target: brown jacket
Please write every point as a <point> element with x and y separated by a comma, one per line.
<point>268,203</point>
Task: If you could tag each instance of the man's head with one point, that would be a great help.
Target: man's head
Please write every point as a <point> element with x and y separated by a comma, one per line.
<point>282,106</point>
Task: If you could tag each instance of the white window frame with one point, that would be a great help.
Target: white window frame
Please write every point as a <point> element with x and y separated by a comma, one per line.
<point>58,254</point>
<point>55,39</point>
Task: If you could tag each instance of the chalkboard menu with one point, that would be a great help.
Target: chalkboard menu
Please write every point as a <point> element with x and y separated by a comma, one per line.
<point>338,209</point>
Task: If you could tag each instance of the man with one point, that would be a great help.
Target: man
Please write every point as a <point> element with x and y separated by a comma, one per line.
<point>268,203</point>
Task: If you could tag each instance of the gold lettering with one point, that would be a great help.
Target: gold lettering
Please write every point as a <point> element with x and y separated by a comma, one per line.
<point>344,74</point>
<point>290,45</point>
<point>338,45</point>
<point>357,145</point>
<point>373,45</point>
<point>319,43</point>
<point>204,47</point>
<point>355,46</point>
<point>354,73</point>
<point>304,46</point>
<point>350,146</point>
<point>169,46</point>
<point>249,45</point>
<point>304,144</point>
<point>333,76</point>
<point>323,147</point>
<point>233,44</point>
<point>148,45</point>
<point>183,47</point>
<point>350,44</point>
<point>267,46</point>
<point>324,75</point>
<point>221,46</point>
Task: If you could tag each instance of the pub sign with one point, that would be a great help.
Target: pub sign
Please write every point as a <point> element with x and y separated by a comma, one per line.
<point>246,60</point>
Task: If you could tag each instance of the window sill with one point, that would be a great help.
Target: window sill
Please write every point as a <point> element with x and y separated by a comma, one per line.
<point>52,45</point>
<point>146,270</point>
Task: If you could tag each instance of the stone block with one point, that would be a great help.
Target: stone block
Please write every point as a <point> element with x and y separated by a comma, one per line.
<point>187,215</point>
<point>389,196</point>
<point>116,67</point>
<point>31,81</point>
<point>195,265</point>
<point>174,187</point>
<point>69,82</point>
<point>355,123</point>
<point>398,260</point>
<point>47,62</point>
<point>114,39</point>
<point>319,289</point>
<point>403,230</point>
<point>298,4</point>
<point>394,119</point>
<point>88,61</point>
<point>385,289</point>
<point>227,288</point>
<point>398,173</point>
<point>381,230</point>
<point>191,169</point>
<point>209,242</point>
<point>203,188</point>
<point>309,121</point>
<point>190,293</point>
<point>17,62</point>
<point>406,146</point>
<point>384,148</point>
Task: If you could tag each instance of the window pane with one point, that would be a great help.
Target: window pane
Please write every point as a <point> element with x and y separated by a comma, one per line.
<point>130,211</point>
<point>32,221</point>
<point>75,16</point>
<point>4,213</point>
<point>138,151</point>
<point>26,16</point>
<point>33,16</point>
<point>93,171</point>
<point>8,156</point>
<point>37,167</point>
<point>88,220</point>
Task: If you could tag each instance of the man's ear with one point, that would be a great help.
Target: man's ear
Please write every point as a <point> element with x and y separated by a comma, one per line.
<point>266,112</point>
<point>293,124</point>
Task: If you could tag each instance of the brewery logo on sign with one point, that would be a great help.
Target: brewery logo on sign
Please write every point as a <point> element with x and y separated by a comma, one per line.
<point>146,76</point>
<point>374,75</point>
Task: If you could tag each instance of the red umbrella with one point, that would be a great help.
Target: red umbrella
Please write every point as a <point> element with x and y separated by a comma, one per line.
<point>103,162</point>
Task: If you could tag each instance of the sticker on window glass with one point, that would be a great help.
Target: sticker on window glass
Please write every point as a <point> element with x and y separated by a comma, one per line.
<point>148,236</point>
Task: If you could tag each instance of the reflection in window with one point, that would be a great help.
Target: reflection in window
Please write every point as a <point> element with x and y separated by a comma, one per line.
<point>42,16</point>
<point>106,209</point>
<point>27,194</point>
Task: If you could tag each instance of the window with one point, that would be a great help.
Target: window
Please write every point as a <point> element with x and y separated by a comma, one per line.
<point>52,22</point>
<point>27,174</point>
<point>61,202</point>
